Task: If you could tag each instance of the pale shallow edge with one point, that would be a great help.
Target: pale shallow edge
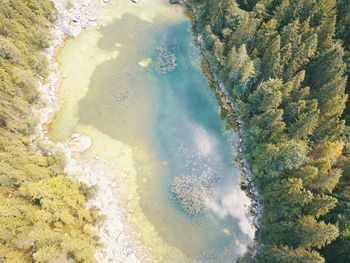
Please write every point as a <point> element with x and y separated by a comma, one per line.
<point>118,246</point>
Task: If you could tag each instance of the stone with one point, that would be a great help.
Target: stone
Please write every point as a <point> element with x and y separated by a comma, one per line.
<point>72,31</point>
<point>92,18</point>
<point>75,136</point>
<point>79,143</point>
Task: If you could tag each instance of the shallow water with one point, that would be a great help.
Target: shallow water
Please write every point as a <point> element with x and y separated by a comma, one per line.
<point>170,121</point>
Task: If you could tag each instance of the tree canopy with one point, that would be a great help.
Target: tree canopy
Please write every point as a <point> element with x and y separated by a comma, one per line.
<point>284,64</point>
<point>43,215</point>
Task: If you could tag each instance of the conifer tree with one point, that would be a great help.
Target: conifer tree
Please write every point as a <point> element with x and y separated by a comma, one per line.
<point>287,255</point>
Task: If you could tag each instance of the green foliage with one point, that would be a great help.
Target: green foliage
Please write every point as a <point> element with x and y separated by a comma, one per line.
<point>304,232</point>
<point>266,97</point>
<point>287,255</point>
<point>338,251</point>
<point>320,205</point>
<point>278,157</point>
<point>291,202</point>
<point>287,73</point>
<point>239,65</point>
<point>42,212</point>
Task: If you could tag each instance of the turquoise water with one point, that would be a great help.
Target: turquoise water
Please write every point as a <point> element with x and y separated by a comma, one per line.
<point>173,120</point>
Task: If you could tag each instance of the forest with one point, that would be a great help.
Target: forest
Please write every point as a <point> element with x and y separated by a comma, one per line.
<point>42,211</point>
<point>285,64</point>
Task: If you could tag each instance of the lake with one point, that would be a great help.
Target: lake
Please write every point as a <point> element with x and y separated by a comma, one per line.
<point>139,82</point>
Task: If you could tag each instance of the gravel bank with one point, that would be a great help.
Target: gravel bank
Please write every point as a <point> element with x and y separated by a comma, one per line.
<point>119,245</point>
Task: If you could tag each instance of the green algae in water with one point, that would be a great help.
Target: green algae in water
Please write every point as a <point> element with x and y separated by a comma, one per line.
<point>171,123</point>
<point>175,120</point>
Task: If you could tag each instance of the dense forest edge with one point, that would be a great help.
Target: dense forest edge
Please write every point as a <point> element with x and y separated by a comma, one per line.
<point>285,64</point>
<point>43,215</point>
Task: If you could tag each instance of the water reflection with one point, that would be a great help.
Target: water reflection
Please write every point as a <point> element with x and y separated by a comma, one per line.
<point>154,97</point>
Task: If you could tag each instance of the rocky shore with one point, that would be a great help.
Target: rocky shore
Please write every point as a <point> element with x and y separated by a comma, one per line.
<point>77,15</point>
<point>118,244</point>
<point>228,104</point>
<point>115,232</point>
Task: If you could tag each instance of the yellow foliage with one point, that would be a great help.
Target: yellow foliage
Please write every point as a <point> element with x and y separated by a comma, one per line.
<point>329,150</point>
<point>43,218</point>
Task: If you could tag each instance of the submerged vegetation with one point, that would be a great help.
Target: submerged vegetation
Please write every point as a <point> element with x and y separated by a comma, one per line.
<point>42,212</point>
<point>192,192</point>
<point>283,63</point>
<point>166,60</point>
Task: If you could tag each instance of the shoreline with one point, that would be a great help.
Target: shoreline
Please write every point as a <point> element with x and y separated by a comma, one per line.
<point>118,243</point>
<point>117,234</point>
<point>227,104</point>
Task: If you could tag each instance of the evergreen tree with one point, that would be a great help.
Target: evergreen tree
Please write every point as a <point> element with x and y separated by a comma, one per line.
<point>287,255</point>
<point>292,197</point>
<point>43,214</point>
<point>291,110</point>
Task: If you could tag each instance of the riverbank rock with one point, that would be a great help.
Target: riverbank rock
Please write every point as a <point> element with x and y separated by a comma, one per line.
<point>78,15</point>
<point>72,31</point>
<point>72,19</point>
<point>92,18</point>
<point>79,143</point>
